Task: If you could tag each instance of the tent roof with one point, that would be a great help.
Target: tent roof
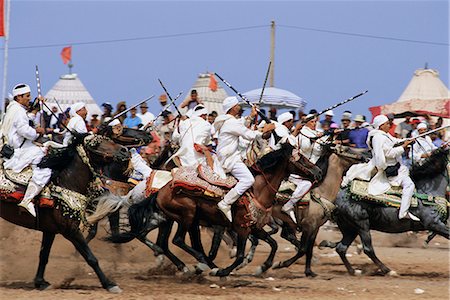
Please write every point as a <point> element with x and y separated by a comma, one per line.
<point>276,97</point>
<point>425,94</point>
<point>212,100</point>
<point>69,90</point>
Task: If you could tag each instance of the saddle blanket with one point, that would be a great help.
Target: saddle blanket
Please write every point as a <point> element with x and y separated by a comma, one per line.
<point>285,192</point>
<point>358,190</point>
<point>156,181</point>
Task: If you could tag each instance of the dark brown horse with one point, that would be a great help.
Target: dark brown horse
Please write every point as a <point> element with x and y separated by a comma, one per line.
<point>190,212</point>
<point>73,173</point>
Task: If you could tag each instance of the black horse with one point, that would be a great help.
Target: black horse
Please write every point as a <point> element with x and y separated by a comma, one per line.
<point>74,170</point>
<point>355,217</point>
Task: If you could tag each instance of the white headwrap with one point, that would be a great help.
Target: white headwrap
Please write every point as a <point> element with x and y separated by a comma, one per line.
<point>199,110</point>
<point>20,91</point>
<point>379,120</point>
<point>229,102</point>
<point>285,117</point>
<point>76,107</point>
<point>114,122</point>
<point>329,113</point>
<point>422,126</point>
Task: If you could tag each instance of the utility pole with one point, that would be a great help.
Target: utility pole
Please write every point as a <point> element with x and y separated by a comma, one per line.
<point>272,52</point>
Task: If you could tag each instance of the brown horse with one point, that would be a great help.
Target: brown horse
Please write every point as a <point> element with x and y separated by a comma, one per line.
<point>311,218</point>
<point>189,211</point>
<point>75,171</point>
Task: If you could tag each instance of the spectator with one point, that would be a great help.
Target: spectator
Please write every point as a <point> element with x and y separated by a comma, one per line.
<point>212,116</point>
<point>107,112</point>
<point>413,133</point>
<point>329,114</point>
<point>121,106</point>
<point>95,122</point>
<point>392,131</point>
<point>166,128</point>
<point>132,121</point>
<point>273,113</point>
<point>192,102</point>
<point>437,141</point>
<point>145,116</point>
<point>404,127</point>
<point>342,137</point>
<point>358,136</point>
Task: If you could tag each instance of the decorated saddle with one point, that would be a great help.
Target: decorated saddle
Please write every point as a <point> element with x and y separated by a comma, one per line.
<point>13,187</point>
<point>358,191</point>
<point>285,192</point>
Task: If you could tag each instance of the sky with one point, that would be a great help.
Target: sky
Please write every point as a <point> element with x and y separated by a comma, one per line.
<point>322,51</point>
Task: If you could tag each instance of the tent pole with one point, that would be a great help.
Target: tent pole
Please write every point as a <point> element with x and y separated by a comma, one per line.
<point>5,57</point>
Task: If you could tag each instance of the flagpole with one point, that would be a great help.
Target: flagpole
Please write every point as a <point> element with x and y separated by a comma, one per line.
<point>5,56</point>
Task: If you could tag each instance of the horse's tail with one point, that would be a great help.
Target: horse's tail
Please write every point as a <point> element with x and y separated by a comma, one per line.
<point>139,216</point>
<point>106,205</point>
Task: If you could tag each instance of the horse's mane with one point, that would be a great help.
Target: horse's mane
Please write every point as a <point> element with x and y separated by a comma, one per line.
<point>432,166</point>
<point>322,162</point>
<point>271,159</point>
<point>58,158</point>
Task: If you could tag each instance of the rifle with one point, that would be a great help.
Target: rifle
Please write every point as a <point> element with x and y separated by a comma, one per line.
<point>41,110</point>
<point>127,110</point>
<point>262,90</point>
<point>245,99</point>
<point>334,106</point>
<point>420,135</point>
<point>171,103</point>
<point>170,98</point>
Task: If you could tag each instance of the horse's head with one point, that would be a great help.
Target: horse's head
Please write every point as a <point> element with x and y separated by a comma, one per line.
<point>432,166</point>
<point>134,137</point>
<point>300,165</point>
<point>102,150</point>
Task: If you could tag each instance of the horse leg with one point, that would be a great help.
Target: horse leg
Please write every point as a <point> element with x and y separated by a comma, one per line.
<point>179,240</point>
<point>301,248</point>
<point>248,259</point>
<point>215,243</point>
<point>47,242</point>
<point>366,240</point>
<point>114,220</point>
<point>241,241</point>
<point>80,244</point>
<point>309,252</point>
<point>194,233</point>
<point>263,235</point>
<point>431,236</point>
<point>143,238</point>
<point>92,232</point>
<point>163,242</point>
<point>348,236</point>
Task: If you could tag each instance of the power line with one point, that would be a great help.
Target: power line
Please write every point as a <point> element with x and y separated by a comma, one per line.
<point>138,38</point>
<point>364,35</point>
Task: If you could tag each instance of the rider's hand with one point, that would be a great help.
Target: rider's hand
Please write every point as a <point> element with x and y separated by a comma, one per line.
<point>268,127</point>
<point>408,142</point>
<point>40,130</point>
<point>253,113</point>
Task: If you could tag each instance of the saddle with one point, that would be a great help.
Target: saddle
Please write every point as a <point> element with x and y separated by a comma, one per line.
<point>285,192</point>
<point>358,191</point>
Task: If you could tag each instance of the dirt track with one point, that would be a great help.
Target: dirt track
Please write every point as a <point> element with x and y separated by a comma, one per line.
<point>132,267</point>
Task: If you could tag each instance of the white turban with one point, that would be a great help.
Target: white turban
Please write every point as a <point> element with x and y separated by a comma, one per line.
<point>76,107</point>
<point>379,120</point>
<point>310,117</point>
<point>285,117</point>
<point>229,102</point>
<point>329,113</point>
<point>199,110</point>
<point>422,126</point>
<point>114,122</point>
<point>20,91</point>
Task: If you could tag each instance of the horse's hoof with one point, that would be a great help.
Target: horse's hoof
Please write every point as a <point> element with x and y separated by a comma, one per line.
<point>259,271</point>
<point>115,289</point>
<point>244,263</point>
<point>357,273</point>
<point>214,272</point>
<point>202,267</point>
<point>233,252</point>
<point>359,249</point>
<point>310,274</point>
<point>393,274</point>
<point>42,286</point>
<point>186,271</point>
<point>159,260</point>
<point>425,245</point>
<point>277,265</point>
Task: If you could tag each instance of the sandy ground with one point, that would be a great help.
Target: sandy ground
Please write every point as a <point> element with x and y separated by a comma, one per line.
<point>132,266</point>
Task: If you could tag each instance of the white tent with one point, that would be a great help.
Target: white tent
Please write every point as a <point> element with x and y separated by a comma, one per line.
<point>425,94</point>
<point>69,90</point>
<point>211,99</point>
<point>276,97</point>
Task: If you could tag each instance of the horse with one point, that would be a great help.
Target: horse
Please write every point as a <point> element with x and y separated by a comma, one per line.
<point>130,138</point>
<point>69,164</point>
<point>336,161</point>
<point>356,217</point>
<point>190,211</point>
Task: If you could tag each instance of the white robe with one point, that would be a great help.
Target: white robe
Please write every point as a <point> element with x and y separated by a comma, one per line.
<point>76,124</point>
<point>229,130</point>
<point>423,145</point>
<point>310,149</point>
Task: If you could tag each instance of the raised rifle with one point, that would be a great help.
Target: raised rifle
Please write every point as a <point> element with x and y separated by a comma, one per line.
<point>334,106</point>
<point>172,102</point>
<point>262,90</point>
<point>420,135</point>
<point>170,98</point>
<point>41,110</point>
<point>263,117</point>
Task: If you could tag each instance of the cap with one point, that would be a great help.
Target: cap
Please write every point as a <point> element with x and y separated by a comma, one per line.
<point>329,113</point>
<point>379,120</point>
<point>284,117</point>
<point>229,102</point>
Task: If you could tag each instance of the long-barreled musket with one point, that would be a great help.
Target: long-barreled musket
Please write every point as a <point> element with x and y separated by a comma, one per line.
<point>170,98</point>
<point>420,135</point>
<point>170,104</point>
<point>41,108</point>
<point>334,106</point>
<point>262,90</point>
<point>263,117</point>
<point>127,110</point>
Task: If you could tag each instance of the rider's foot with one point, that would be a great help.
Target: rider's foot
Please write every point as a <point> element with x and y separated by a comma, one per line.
<point>289,210</point>
<point>29,206</point>
<point>226,209</point>
<point>409,215</point>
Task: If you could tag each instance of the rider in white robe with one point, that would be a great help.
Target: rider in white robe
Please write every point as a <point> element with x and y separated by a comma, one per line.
<point>77,122</point>
<point>229,129</point>
<point>20,135</point>
<point>423,146</point>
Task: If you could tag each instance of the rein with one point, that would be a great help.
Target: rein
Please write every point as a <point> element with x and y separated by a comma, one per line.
<point>256,168</point>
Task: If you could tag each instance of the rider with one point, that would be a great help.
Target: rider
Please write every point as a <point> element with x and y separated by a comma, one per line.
<point>77,123</point>
<point>229,129</point>
<point>20,135</point>
<point>424,146</point>
<point>302,186</point>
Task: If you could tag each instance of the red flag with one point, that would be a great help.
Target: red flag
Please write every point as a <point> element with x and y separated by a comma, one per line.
<point>2,18</point>
<point>66,54</point>
<point>212,82</point>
